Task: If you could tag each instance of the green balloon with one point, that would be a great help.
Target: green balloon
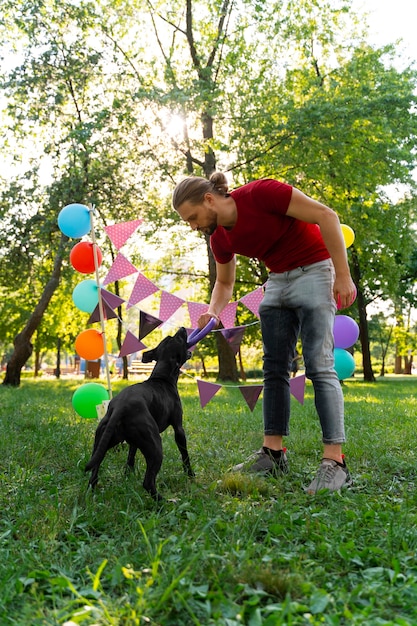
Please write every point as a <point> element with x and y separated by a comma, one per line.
<point>86,398</point>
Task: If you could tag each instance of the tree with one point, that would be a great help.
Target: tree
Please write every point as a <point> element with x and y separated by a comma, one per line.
<point>50,92</point>
<point>255,88</point>
<point>345,133</point>
<point>212,66</point>
<point>337,121</point>
<point>22,342</point>
<point>381,332</point>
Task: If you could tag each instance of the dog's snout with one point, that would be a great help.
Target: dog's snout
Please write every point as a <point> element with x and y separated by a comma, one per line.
<point>182,333</point>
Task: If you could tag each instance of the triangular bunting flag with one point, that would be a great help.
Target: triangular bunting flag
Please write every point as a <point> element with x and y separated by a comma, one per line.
<point>131,344</point>
<point>108,314</point>
<point>195,309</point>
<point>228,315</point>
<point>251,394</point>
<point>297,387</point>
<point>169,305</point>
<point>147,323</point>
<point>120,268</point>
<point>234,337</point>
<point>253,299</point>
<point>120,233</point>
<point>111,299</point>
<point>206,391</point>
<point>143,288</point>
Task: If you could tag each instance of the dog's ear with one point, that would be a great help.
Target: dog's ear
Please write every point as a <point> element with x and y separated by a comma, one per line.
<point>149,355</point>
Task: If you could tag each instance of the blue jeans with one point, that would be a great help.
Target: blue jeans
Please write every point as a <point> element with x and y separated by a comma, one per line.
<point>301,303</point>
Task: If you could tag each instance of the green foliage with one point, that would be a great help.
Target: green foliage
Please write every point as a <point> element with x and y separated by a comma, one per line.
<point>217,551</point>
<point>117,100</point>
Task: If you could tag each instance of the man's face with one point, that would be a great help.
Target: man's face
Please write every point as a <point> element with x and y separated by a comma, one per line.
<point>200,217</point>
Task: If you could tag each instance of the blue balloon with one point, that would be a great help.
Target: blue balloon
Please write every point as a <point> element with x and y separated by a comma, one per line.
<point>344,363</point>
<point>74,220</point>
<point>85,295</point>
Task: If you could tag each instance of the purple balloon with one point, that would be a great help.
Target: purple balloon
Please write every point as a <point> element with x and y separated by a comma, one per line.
<point>345,331</point>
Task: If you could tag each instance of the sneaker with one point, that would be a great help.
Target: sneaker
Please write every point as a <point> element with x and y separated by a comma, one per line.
<point>264,462</point>
<point>331,475</point>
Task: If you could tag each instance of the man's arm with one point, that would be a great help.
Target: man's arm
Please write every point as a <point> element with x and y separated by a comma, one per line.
<point>308,210</point>
<point>222,291</point>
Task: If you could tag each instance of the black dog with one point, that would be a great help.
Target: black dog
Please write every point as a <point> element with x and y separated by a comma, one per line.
<point>139,413</point>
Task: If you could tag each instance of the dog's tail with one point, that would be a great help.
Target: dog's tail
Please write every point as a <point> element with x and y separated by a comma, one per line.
<point>105,432</point>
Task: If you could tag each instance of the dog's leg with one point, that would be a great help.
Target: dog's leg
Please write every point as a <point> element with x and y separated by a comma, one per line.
<point>181,441</point>
<point>105,438</point>
<point>98,434</point>
<point>130,463</point>
<point>153,457</point>
<point>95,468</point>
<point>94,477</point>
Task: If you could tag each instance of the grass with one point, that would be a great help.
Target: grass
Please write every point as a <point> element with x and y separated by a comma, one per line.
<point>221,550</point>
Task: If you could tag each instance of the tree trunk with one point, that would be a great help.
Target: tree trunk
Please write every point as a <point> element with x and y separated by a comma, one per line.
<point>226,357</point>
<point>22,342</point>
<point>58,359</point>
<point>408,362</point>
<point>241,366</point>
<point>368,374</point>
<point>125,364</point>
<point>203,365</point>
<point>37,362</point>
<point>227,360</point>
<point>22,351</point>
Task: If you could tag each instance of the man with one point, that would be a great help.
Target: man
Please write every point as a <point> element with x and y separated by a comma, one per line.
<point>301,243</point>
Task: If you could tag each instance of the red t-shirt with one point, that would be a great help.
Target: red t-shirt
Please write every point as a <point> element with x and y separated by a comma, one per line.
<point>264,231</point>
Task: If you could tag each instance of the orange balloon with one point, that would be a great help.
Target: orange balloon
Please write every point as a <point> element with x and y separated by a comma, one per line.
<point>90,345</point>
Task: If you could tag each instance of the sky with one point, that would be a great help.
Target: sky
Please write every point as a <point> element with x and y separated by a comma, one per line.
<point>390,20</point>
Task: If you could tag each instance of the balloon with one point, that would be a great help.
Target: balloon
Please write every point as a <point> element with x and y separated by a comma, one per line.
<point>82,257</point>
<point>90,345</point>
<point>339,306</point>
<point>344,363</point>
<point>345,331</point>
<point>348,235</point>
<point>86,398</point>
<point>85,295</point>
<point>74,220</point>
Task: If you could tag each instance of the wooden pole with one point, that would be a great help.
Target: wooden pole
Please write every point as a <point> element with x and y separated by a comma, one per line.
<point>100,301</point>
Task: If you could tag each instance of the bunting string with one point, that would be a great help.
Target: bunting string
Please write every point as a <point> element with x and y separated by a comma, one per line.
<point>169,305</point>
<point>250,393</point>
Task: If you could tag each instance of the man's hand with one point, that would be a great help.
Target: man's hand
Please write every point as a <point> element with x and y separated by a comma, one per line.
<point>204,319</point>
<point>344,292</point>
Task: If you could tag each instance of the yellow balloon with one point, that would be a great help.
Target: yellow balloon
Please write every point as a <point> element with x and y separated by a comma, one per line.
<point>348,235</point>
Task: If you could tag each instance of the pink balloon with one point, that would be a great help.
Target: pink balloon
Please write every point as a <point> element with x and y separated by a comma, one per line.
<point>345,331</point>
